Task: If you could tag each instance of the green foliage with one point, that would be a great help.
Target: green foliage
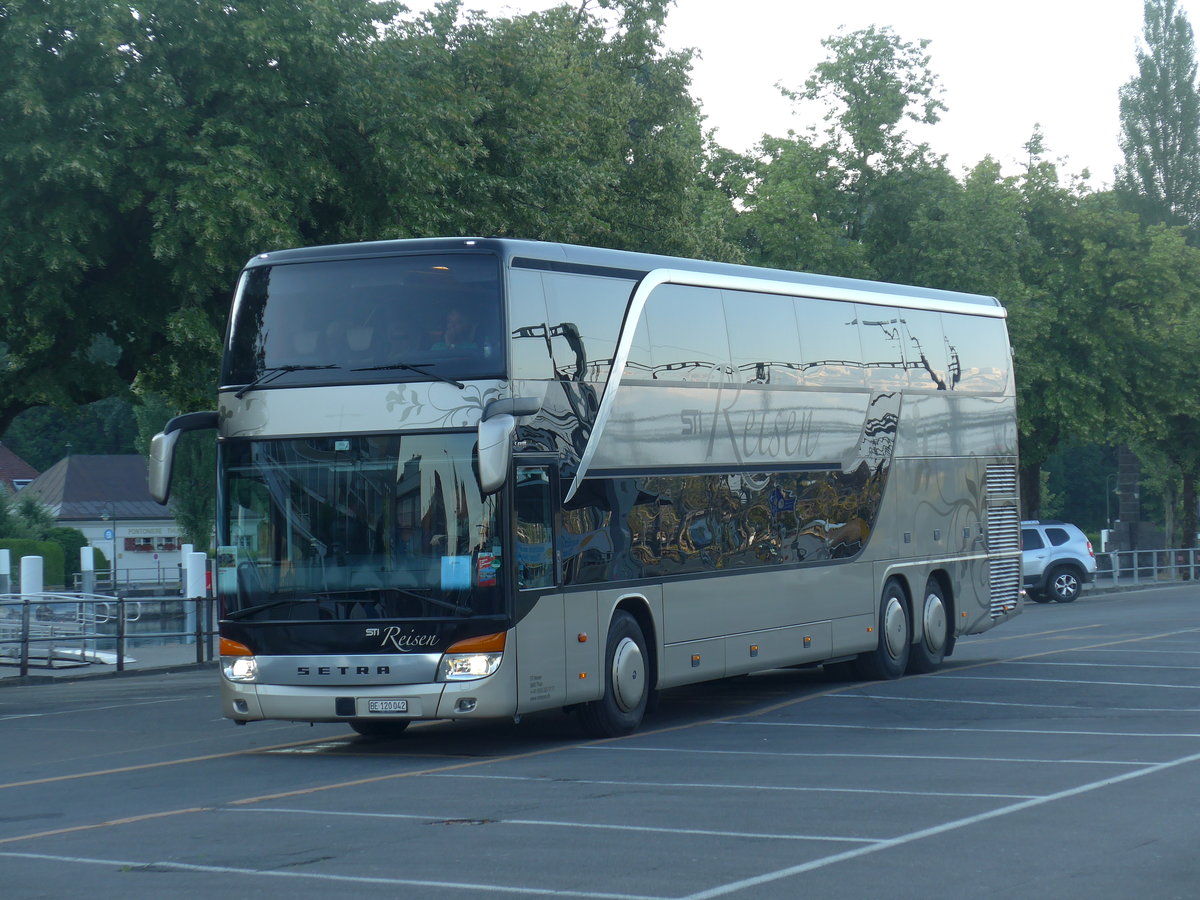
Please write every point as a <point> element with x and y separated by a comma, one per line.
<point>71,540</point>
<point>50,552</point>
<point>21,516</point>
<point>43,435</point>
<point>147,152</point>
<point>144,151</point>
<point>1160,123</point>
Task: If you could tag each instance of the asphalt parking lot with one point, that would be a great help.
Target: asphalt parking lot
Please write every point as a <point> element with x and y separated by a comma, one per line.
<point>1058,756</point>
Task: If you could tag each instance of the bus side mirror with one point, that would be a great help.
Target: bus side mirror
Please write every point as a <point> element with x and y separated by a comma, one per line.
<point>496,428</point>
<point>162,450</point>
<point>495,451</point>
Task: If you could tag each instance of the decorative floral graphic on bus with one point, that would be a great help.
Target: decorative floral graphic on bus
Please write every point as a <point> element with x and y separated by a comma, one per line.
<point>443,406</point>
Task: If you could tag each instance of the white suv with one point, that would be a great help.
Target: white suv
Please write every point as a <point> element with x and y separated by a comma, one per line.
<point>1057,560</point>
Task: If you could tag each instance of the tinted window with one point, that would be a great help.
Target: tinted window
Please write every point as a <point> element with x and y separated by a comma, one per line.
<point>592,308</point>
<point>687,334</point>
<point>977,351</point>
<point>534,528</point>
<point>763,340</point>
<point>354,321</point>
<point>882,332</point>
<point>925,349</point>
<point>529,347</point>
<point>831,354</point>
<point>1057,536</point>
<point>1031,540</point>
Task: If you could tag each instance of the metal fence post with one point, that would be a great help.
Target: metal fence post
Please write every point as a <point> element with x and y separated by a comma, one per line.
<point>120,632</point>
<point>25,616</point>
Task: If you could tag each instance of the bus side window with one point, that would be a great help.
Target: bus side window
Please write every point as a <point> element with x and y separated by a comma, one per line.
<point>535,528</point>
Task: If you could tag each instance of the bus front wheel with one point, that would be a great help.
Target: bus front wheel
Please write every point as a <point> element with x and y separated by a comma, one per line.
<point>626,684</point>
<point>890,656</point>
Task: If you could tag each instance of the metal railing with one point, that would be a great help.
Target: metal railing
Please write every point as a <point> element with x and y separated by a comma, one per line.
<point>57,630</point>
<point>1145,568</point>
<point>162,580</point>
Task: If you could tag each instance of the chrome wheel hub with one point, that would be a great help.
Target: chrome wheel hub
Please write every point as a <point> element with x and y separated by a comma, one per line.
<point>628,674</point>
<point>934,622</point>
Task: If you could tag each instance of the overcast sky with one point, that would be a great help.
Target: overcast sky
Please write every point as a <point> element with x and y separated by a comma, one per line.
<point>1003,67</point>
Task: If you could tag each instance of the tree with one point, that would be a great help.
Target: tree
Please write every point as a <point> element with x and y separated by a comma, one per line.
<point>1101,327</point>
<point>795,211</point>
<point>872,82</point>
<point>43,435</point>
<point>580,128</point>
<point>146,154</point>
<point>1160,123</point>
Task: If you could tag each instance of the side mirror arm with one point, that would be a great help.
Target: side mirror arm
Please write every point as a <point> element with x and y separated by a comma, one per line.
<point>162,449</point>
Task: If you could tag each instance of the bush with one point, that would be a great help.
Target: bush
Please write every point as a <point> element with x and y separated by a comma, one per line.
<point>50,552</point>
<point>71,540</point>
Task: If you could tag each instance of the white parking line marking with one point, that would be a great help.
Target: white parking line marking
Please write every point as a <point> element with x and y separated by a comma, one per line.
<point>923,833</point>
<point>1094,665</point>
<point>1140,652</point>
<point>1136,684</point>
<point>1075,706</point>
<point>552,823</point>
<point>78,709</point>
<point>708,785</point>
<point>1129,734</point>
<point>625,748</point>
<point>160,866</point>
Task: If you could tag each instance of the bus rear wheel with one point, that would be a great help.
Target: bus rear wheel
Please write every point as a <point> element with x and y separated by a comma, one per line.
<point>927,654</point>
<point>626,684</point>
<point>890,656</point>
<point>389,728</point>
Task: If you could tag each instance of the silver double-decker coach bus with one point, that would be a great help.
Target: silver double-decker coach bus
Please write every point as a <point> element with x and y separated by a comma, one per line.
<point>466,477</point>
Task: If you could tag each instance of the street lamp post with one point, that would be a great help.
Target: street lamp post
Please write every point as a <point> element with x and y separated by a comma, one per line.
<point>110,515</point>
<point>1113,479</point>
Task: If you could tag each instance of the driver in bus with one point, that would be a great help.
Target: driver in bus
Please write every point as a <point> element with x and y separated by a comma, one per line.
<point>459,333</point>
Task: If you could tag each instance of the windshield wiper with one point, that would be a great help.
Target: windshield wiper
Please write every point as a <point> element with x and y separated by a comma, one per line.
<point>269,375</point>
<point>456,607</point>
<point>420,370</point>
<point>251,610</point>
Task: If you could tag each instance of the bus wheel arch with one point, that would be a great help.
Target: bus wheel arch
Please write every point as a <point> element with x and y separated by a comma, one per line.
<point>889,659</point>
<point>628,676</point>
<point>933,625</point>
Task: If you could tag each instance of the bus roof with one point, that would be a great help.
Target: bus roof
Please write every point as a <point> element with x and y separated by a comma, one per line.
<point>573,257</point>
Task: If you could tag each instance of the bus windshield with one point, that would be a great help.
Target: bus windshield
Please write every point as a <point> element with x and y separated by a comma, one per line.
<point>363,527</point>
<point>354,321</point>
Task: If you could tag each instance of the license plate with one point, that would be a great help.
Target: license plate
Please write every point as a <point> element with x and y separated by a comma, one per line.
<point>387,706</point>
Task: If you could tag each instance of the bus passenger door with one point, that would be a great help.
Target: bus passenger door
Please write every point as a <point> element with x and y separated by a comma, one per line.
<point>541,663</point>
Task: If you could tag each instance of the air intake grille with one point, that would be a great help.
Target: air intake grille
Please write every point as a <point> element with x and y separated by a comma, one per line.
<point>1005,575</point>
<point>1002,481</point>
<point>1004,529</point>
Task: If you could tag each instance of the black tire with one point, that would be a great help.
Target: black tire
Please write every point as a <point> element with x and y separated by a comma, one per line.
<point>626,682</point>
<point>1063,584</point>
<point>926,655</point>
<point>1039,596</point>
<point>381,728</point>
<point>889,659</point>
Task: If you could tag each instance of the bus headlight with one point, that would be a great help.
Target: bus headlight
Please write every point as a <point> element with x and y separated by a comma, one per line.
<point>238,662</point>
<point>242,669</point>
<point>466,666</point>
<point>473,658</point>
